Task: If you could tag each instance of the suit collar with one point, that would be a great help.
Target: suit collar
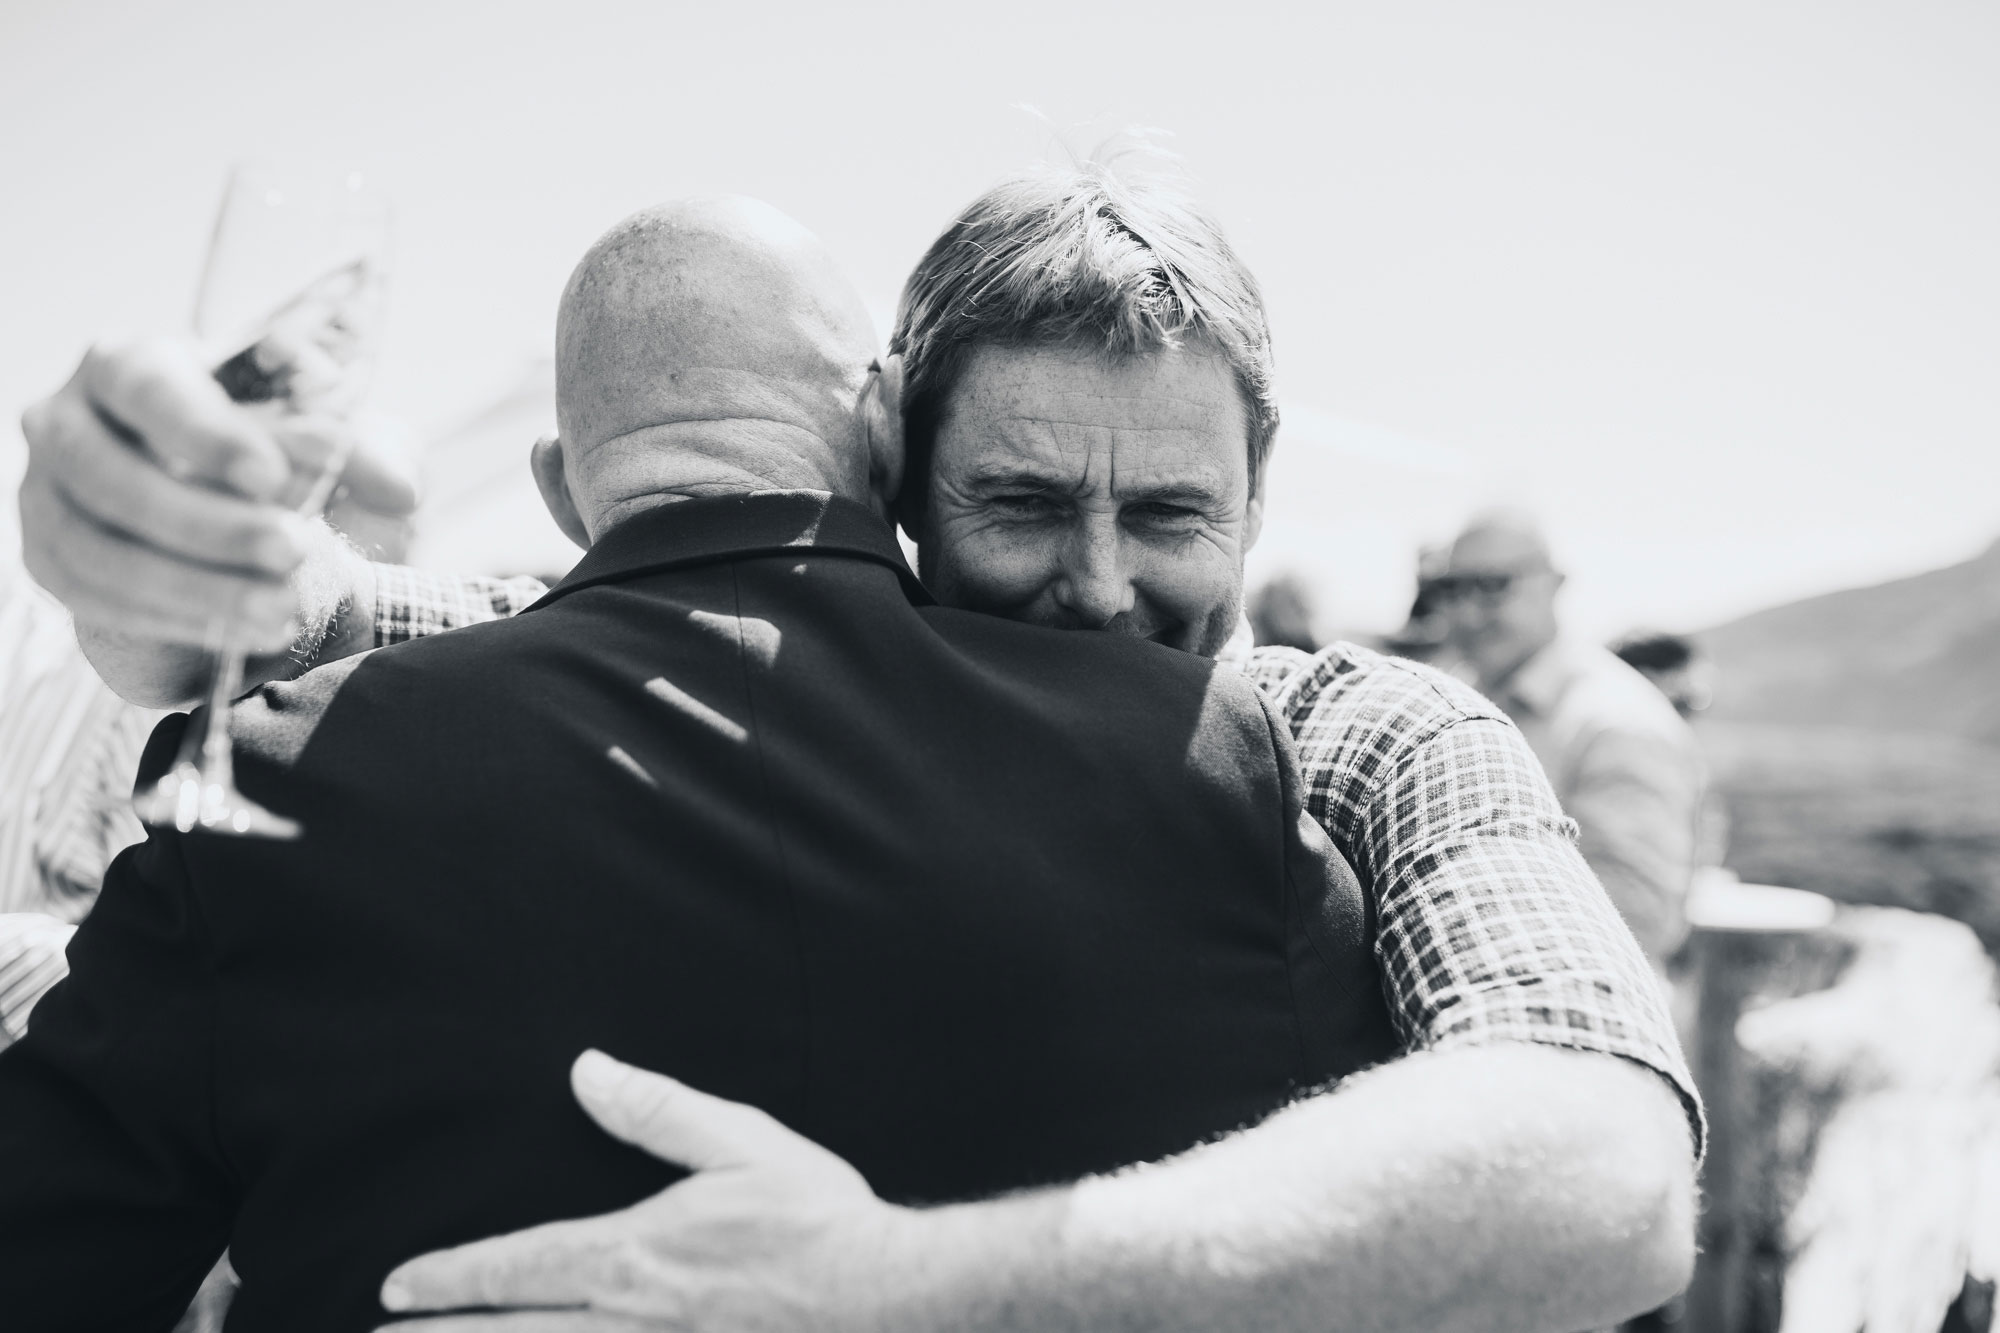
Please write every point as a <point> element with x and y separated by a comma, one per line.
<point>731,527</point>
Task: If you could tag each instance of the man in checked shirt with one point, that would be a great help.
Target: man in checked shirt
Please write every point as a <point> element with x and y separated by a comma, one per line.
<point>1085,378</point>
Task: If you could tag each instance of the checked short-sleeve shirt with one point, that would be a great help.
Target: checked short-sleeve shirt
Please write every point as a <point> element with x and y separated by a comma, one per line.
<point>1489,926</point>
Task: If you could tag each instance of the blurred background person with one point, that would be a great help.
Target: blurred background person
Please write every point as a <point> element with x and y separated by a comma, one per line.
<point>68,750</point>
<point>1674,663</point>
<point>1622,761</point>
<point>1681,669</point>
<point>1284,612</point>
<point>1426,632</point>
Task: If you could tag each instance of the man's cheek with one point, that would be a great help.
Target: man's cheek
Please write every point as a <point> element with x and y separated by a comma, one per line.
<point>997,568</point>
<point>1193,584</point>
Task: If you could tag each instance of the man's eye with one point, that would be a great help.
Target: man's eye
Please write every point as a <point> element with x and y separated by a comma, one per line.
<point>1025,504</point>
<point>1165,517</point>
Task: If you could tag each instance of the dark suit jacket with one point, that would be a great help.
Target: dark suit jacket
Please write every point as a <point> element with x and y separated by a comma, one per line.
<point>974,904</point>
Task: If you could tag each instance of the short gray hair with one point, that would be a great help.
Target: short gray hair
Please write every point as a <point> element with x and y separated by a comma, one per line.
<point>1077,256</point>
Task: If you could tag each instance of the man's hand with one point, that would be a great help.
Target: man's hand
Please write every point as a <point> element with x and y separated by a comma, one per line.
<point>771,1232</point>
<point>152,504</point>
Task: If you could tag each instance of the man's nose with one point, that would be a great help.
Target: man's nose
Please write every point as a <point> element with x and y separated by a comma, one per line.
<point>1094,585</point>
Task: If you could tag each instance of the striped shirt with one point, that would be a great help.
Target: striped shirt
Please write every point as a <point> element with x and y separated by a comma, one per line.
<point>1489,925</point>
<point>68,750</point>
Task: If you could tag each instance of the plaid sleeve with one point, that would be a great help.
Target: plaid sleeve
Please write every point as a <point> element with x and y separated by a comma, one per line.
<point>1490,927</point>
<point>410,603</point>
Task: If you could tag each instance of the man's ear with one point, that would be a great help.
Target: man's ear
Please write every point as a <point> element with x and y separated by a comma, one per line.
<point>1253,512</point>
<point>546,460</point>
<point>882,418</point>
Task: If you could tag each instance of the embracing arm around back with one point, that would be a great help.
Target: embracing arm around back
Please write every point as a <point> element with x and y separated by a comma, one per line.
<point>1530,1167</point>
<point>1512,1188</point>
<point>1509,1187</point>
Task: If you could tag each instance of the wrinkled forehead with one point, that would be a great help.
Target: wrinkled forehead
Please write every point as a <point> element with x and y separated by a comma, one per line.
<point>1122,422</point>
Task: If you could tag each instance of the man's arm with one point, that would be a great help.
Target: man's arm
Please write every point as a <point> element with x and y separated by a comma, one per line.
<point>332,592</point>
<point>151,506</point>
<point>1473,1189</point>
<point>1490,926</point>
<point>1508,1186</point>
<point>386,604</point>
<point>115,1203</point>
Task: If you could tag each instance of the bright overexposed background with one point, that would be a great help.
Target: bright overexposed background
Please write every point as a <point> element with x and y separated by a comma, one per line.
<point>1713,285</point>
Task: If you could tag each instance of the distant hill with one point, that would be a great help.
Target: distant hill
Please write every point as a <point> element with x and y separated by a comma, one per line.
<point>1917,654</point>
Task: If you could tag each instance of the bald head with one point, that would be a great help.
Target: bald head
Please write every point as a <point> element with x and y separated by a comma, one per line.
<point>1509,540</point>
<point>1500,594</point>
<point>706,346</point>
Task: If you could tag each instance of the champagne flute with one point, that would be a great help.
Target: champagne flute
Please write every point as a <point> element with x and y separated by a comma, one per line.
<point>292,293</point>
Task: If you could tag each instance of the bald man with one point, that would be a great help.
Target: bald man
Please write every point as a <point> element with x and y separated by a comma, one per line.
<point>976,905</point>
<point>1623,763</point>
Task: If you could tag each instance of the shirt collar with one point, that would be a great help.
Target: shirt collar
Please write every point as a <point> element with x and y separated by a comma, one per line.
<point>730,527</point>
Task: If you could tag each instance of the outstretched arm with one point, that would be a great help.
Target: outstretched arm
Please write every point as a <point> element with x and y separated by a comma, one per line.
<point>151,505</point>
<point>332,614</point>
<point>1510,1187</point>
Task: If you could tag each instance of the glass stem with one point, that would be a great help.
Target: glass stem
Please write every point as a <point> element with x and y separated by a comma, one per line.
<point>225,683</point>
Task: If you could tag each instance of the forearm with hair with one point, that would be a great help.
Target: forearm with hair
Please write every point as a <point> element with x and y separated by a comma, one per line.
<point>335,588</point>
<point>1510,1187</point>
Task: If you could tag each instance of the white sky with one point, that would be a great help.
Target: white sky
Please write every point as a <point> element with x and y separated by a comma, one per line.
<point>1715,285</point>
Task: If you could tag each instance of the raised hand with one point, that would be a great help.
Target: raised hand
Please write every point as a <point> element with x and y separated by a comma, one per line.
<point>152,505</point>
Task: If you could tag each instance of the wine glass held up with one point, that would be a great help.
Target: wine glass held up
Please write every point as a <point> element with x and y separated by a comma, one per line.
<point>292,294</point>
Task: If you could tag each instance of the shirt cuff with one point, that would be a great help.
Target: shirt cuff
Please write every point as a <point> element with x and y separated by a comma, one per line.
<point>413,603</point>
<point>1545,1028</point>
